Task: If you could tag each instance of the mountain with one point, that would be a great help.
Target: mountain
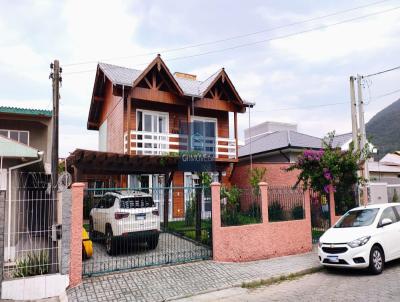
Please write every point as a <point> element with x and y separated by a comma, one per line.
<point>383,130</point>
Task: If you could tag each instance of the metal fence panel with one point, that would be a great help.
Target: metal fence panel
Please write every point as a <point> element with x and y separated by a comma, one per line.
<point>132,228</point>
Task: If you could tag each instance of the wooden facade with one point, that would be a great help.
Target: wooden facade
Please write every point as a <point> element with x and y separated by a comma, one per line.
<point>157,90</point>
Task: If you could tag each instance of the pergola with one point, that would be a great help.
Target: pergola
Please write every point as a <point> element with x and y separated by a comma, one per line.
<point>82,163</point>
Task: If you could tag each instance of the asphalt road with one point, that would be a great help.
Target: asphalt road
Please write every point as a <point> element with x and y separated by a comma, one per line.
<point>327,285</point>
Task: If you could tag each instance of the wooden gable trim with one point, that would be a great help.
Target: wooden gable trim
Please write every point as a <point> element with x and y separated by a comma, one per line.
<point>158,96</point>
<point>225,79</point>
<point>216,104</point>
<point>159,63</point>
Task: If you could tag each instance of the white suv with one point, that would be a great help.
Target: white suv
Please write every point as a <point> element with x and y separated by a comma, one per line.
<point>125,215</point>
<point>364,237</point>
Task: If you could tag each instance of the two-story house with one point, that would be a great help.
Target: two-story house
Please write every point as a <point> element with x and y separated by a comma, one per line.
<point>154,113</point>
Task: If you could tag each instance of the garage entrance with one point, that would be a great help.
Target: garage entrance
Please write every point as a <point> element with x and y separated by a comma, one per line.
<point>138,227</point>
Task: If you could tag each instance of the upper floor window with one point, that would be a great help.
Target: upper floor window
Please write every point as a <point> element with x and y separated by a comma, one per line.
<point>16,135</point>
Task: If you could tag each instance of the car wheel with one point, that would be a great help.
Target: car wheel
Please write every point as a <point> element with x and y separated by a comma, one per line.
<point>376,260</point>
<point>152,242</point>
<point>110,242</point>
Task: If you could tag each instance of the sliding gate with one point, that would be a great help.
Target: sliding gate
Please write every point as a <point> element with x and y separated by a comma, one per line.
<point>146,227</point>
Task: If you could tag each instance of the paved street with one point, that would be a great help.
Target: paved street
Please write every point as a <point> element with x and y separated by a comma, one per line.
<point>338,285</point>
<point>177,281</point>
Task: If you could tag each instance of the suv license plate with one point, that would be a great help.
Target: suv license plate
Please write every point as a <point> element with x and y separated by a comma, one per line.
<point>140,216</point>
<point>334,259</point>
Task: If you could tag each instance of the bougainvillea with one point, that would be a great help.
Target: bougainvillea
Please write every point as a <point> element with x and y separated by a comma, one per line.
<point>329,168</point>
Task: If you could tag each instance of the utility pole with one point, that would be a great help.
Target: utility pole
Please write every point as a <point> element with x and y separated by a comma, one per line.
<point>363,138</point>
<point>354,126</point>
<point>56,80</point>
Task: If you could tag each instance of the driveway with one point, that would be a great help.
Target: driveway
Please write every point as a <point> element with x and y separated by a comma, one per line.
<point>337,285</point>
<point>170,249</point>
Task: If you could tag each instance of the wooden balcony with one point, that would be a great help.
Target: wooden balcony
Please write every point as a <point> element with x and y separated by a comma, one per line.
<point>153,143</point>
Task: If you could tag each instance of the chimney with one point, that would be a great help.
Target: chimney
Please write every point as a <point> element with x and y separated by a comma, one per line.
<point>186,76</point>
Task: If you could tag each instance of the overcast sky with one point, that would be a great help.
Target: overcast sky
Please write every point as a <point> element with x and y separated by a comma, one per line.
<point>310,69</point>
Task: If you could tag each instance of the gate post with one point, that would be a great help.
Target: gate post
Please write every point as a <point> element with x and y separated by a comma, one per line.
<point>75,270</point>
<point>264,201</point>
<point>215,217</point>
<point>332,211</point>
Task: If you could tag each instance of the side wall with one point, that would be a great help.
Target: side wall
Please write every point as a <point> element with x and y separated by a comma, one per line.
<point>259,241</point>
<point>274,176</point>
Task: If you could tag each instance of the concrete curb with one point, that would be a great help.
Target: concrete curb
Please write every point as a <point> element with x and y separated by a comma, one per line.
<point>261,281</point>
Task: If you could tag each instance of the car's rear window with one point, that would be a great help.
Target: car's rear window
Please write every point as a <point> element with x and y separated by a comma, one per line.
<point>136,202</point>
<point>357,218</point>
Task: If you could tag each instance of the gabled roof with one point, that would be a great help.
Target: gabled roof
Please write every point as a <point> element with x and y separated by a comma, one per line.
<point>11,148</point>
<point>160,65</point>
<point>280,140</point>
<point>26,111</point>
<point>119,75</point>
<point>339,140</point>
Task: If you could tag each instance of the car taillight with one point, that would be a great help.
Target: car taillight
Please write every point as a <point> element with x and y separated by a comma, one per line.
<point>155,212</point>
<point>120,215</point>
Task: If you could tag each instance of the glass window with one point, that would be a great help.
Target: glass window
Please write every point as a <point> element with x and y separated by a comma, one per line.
<point>136,202</point>
<point>357,218</point>
<point>23,137</point>
<point>14,135</point>
<point>388,213</point>
<point>109,201</point>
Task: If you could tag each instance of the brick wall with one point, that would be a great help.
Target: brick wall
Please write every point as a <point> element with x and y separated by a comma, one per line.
<point>275,174</point>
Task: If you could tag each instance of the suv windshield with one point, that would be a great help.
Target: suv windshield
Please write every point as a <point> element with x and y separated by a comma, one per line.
<point>357,218</point>
<point>136,202</point>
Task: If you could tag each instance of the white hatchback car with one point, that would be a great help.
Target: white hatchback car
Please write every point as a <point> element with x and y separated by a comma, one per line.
<point>125,215</point>
<point>365,237</point>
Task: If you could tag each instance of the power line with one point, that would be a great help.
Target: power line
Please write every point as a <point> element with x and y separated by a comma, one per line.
<point>267,40</point>
<point>329,104</point>
<point>380,72</point>
<point>234,37</point>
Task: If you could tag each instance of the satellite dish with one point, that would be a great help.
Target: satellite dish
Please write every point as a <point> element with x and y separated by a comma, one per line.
<point>64,181</point>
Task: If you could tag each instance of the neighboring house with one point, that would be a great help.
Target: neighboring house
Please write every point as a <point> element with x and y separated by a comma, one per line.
<point>276,142</point>
<point>24,129</point>
<point>25,149</point>
<point>153,114</point>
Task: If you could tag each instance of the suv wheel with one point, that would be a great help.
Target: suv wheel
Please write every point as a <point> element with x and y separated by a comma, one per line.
<point>110,242</point>
<point>152,241</point>
<point>376,260</point>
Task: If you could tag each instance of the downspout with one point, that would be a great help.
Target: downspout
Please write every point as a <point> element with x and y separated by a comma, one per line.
<point>40,153</point>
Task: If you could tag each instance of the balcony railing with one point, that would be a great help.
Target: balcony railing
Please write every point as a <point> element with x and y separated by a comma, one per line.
<point>154,143</point>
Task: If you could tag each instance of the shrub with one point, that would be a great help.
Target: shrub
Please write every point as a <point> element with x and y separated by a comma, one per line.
<point>395,197</point>
<point>190,212</point>
<point>298,212</point>
<point>254,210</point>
<point>35,263</point>
<point>275,211</point>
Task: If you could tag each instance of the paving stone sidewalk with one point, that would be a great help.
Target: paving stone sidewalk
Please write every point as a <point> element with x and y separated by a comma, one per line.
<point>178,281</point>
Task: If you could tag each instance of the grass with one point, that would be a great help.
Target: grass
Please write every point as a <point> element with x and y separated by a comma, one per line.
<point>189,231</point>
<point>279,279</point>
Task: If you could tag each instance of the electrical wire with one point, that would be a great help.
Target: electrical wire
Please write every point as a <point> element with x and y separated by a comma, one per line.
<point>265,40</point>
<point>233,37</point>
<point>381,72</point>
<point>330,104</point>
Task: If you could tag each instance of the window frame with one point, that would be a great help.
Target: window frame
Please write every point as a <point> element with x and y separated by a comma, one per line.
<point>19,136</point>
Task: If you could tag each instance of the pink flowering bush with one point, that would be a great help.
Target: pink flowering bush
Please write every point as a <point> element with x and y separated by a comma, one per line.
<point>328,168</point>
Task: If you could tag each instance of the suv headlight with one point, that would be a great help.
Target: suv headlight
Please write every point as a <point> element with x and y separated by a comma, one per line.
<point>359,242</point>
<point>319,243</point>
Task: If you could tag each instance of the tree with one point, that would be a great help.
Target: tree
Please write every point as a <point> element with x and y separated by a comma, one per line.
<point>256,175</point>
<point>329,168</point>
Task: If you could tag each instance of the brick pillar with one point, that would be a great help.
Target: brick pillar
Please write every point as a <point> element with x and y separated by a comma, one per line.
<point>216,217</point>
<point>264,201</point>
<point>332,211</point>
<point>75,270</point>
